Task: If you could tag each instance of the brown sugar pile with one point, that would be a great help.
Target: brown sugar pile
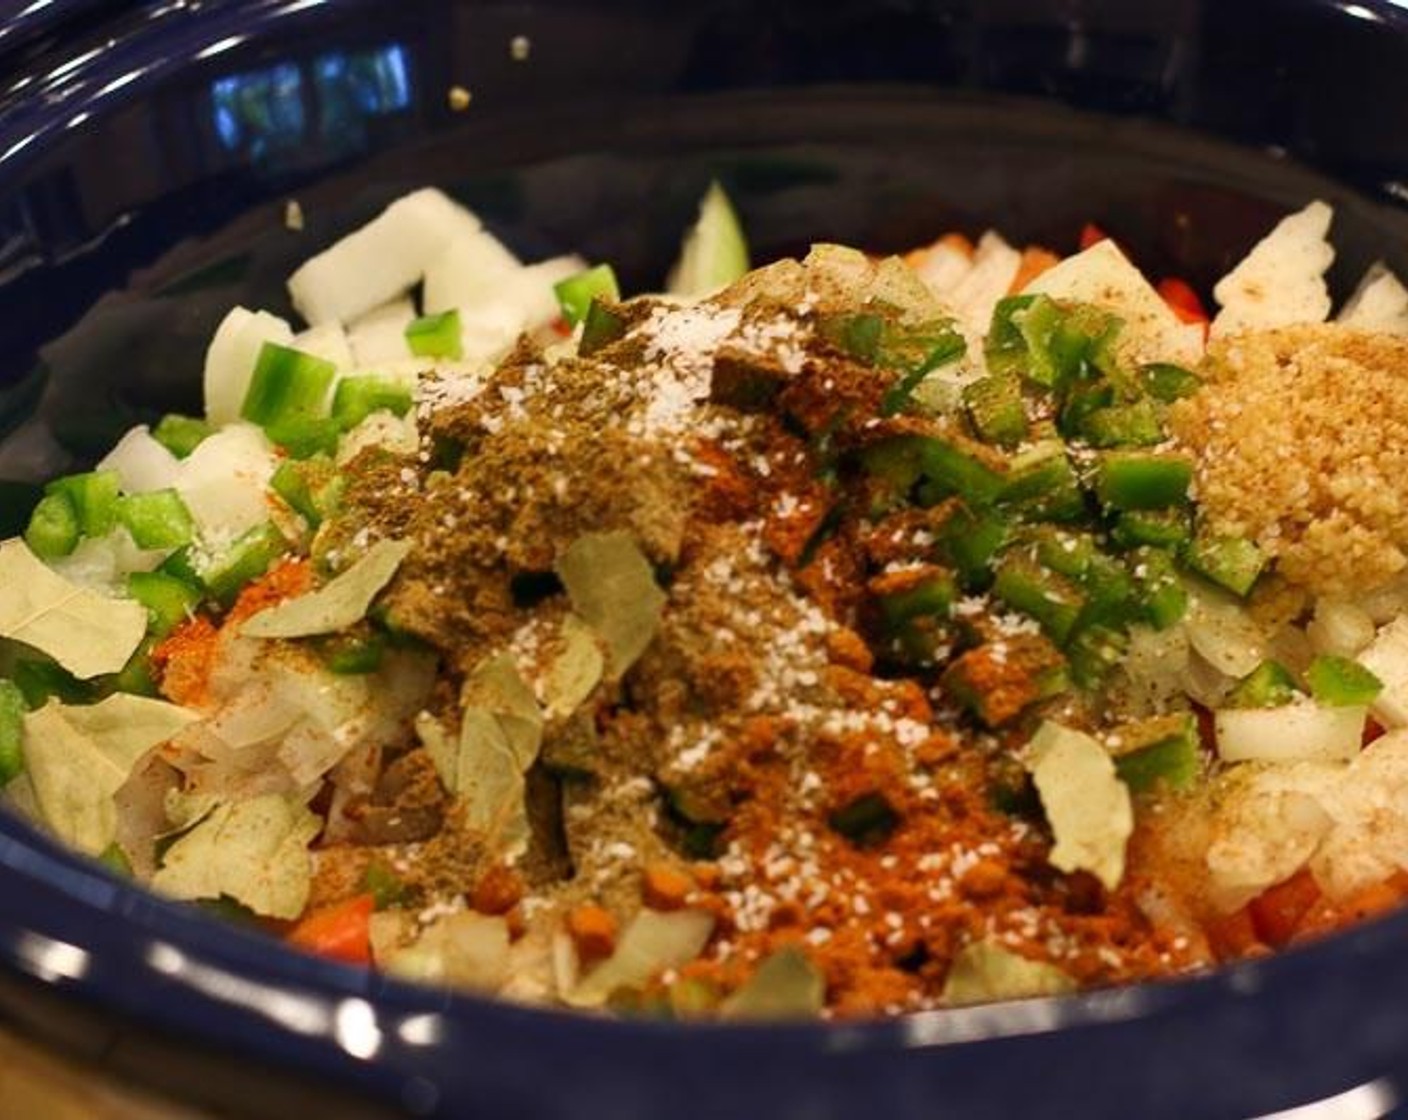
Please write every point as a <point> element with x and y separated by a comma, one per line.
<point>1302,442</point>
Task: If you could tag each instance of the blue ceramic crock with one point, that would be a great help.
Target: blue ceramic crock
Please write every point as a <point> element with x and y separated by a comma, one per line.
<point>147,154</point>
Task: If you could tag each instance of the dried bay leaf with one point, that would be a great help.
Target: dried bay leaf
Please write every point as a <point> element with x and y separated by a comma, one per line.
<point>78,757</point>
<point>501,731</point>
<point>338,604</point>
<point>786,986</point>
<point>254,851</point>
<point>87,633</point>
<point>983,972</point>
<point>576,671</point>
<point>613,589</point>
<point>1087,805</point>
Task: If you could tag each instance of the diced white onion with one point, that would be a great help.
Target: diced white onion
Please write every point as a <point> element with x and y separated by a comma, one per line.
<point>468,271</point>
<point>327,341</point>
<point>380,334</point>
<point>223,481</point>
<point>1299,732</point>
<point>378,262</point>
<point>1221,630</point>
<point>1387,602</point>
<point>1340,627</point>
<point>1387,658</point>
<point>141,463</point>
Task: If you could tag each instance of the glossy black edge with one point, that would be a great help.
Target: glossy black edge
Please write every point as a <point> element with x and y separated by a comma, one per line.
<point>189,977</point>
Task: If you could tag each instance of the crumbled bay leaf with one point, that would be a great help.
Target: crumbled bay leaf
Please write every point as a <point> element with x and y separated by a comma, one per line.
<point>87,633</point>
<point>786,986</point>
<point>338,604</point>
<point>501,730</point>
<point>253,851</point>
<point>613,589</point>
<point>78,757</point>
<point>983,972</point>
<point>1087,805</point>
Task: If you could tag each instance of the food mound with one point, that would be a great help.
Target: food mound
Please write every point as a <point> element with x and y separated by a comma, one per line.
<point>850,636</point>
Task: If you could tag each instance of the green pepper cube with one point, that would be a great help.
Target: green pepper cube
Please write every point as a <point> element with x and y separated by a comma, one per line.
<point>158,519</point>
<point>1167,382</point>
<point>1269,685</point>
<point>1041,484</point>
<point>576,293</point>
<point>1165,751</point>
<point>305,436</point>
<point>602,326</point>
<point>53,530</point>
<point>12,709</point>
<point>1128,480</point>
<point>94,498</point>
<point>933,594</point>
<point>181,435</point>
<point>996,411</point>
<point>952,471</point>
<point>1093,651</point>
<point>968,540</point>
<point>1054,601</point>
<point>169,601</point>
<point>1127,425</point>
<point>286,383</point>
<point>1231,562</point>
<point>436,336</point>
<point>352,654</point>
<point>1159,528</point>
<point>248,558</point>
<point>1339,682</point>
<point>356,398</point>
<point>1159,592</point>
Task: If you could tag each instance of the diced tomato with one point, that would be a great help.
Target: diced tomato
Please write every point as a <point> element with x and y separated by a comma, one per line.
<point>1091,234</point>
<point>561,327</point>
<point>1233,936</point>
<point>341,931</point>
<point>1372,730</point>
<point>1278,911</point>
<point>1184,301</point>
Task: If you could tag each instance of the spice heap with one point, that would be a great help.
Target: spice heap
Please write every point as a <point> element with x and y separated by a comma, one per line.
<point>847,636</point>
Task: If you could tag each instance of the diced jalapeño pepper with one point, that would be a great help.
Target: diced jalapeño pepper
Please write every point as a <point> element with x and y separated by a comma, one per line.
<point>1269,685</point>
<point>356,398</point>
<point>576,293</point>
<point>53,527</point>
<point>181,435</point>
<point>602,326</point>
<point>995,409</point>
<point>247,559</point>
<point>1231,562</point>
<point>286,383</point>
<point>169,601</point>
<point>94,498</point>
<point>1167,382</point>
<point>1165,750</point>
<point>1054,601</point>
<point>1128,480</point>
<point>158,519</point>
<point>436,336</point>
<point>1339,682</point>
